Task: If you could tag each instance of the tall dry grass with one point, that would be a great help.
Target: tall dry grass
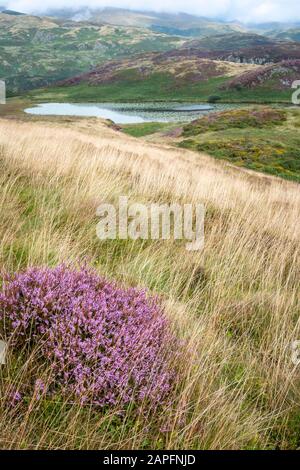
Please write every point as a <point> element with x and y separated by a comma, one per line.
<point>236,303</point>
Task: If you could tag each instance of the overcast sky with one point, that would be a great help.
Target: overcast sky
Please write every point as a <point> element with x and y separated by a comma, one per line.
<point>243,10</point>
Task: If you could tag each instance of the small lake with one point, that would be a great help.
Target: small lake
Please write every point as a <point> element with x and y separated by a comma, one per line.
<point>130,113</point>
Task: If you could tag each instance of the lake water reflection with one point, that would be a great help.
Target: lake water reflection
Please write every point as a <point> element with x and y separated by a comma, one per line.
<point>130,113</point>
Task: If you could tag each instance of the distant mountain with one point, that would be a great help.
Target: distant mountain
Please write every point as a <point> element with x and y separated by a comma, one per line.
<point>11,12</point>
<point>229,42</point>
<point>271,27</point>
<point>244,48</point>
<point>287,35</point>
<point>279,31</point>
<point>180,24</point>
<point>36,51</point>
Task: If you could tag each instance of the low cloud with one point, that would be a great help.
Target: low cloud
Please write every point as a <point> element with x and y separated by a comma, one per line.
<point>242,10</point>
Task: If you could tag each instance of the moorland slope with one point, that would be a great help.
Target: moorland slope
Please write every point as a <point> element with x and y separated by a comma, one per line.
<point>235,304</point>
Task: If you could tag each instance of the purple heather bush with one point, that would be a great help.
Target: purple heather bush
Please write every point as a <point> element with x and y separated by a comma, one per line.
<point>102,344</point>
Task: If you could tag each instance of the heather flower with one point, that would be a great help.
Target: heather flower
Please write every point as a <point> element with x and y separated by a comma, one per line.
<point>39,388</point>
<point>103,344</point>
<point>14,398</point>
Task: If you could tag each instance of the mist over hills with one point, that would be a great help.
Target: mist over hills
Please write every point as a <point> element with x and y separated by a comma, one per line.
<point>181,24</point>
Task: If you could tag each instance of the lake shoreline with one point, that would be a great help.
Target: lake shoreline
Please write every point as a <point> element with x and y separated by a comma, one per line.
<point>128,113</point>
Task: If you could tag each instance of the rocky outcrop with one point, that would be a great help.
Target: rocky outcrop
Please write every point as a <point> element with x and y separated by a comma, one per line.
<point>282,75</point>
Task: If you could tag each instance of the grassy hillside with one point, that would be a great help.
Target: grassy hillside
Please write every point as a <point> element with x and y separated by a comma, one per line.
<point>235,304</point>
<point>178,75</point>
<point>262,139</point>
<point>161,88</point>
<point>259,138</point>
<point>35,51</point>
<point>154,76</point>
